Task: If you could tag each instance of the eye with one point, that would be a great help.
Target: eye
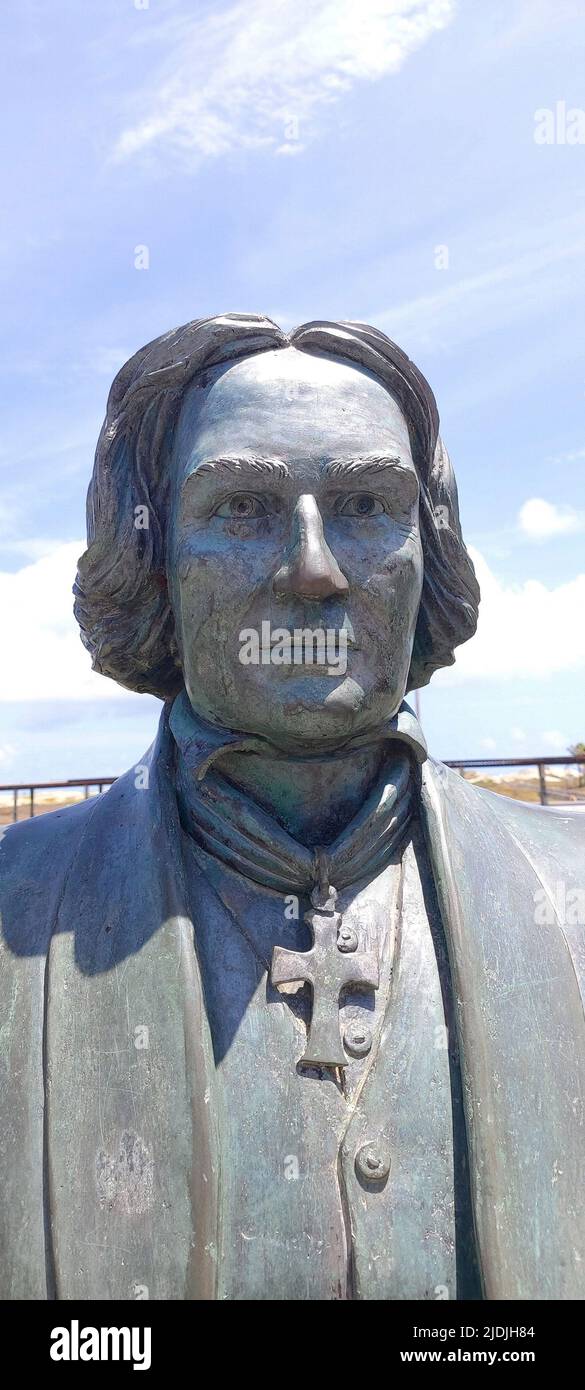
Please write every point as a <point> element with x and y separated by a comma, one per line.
<point>241,506</point>
<point>360,504</point>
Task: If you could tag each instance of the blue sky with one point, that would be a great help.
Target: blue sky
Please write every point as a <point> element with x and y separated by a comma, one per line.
<point>372,159</point>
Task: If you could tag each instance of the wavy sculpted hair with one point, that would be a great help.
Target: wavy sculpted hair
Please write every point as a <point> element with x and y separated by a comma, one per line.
<point>121,597</point>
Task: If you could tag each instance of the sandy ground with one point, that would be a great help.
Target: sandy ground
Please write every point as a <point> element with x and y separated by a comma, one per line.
<point>561,788</point>
<point>41,805</point>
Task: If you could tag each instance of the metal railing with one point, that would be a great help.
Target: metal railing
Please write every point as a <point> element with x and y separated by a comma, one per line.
<point>32,787</point>
<point>460,764</point>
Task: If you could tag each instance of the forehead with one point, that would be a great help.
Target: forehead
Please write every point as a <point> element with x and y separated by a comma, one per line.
<point>289,404</point>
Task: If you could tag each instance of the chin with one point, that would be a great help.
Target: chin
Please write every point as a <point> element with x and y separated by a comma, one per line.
<point>317,711</point>
<point>303,710</point>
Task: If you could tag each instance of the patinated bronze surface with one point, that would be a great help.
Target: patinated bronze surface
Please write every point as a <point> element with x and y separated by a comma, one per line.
<point>281,1014</point>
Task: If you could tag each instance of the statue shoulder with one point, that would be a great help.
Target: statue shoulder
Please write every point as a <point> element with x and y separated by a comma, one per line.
<point>27,841</point>
<point>53,867</point>
<point>35,856</point>
<point>538,830</point>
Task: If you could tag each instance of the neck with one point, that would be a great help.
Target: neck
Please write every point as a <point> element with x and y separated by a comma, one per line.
<point>313,798</point>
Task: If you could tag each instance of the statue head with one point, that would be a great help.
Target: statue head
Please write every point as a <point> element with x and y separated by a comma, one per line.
<point>273,524</point>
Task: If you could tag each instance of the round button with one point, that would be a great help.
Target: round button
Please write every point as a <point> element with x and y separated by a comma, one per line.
<point>346,940</point>
<point>372,1163</point>
<point>357,1040</point>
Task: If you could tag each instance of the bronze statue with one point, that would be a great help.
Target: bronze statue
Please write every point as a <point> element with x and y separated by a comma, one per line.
<point>281,1015</point>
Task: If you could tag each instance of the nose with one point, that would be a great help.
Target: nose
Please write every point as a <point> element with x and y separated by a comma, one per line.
<point>310,569</point>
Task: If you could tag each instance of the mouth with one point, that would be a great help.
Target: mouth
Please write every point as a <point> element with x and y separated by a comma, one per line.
<point>316,650</point>
<point>314,668</point>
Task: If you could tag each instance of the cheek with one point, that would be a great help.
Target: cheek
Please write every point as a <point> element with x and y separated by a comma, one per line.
<point>399,577</point>
<point>232,571</point>
<point>193,582</point>
<point>211,593</point>
<point>385,622</point>
<point>198,574</point>
<point>409,569</point>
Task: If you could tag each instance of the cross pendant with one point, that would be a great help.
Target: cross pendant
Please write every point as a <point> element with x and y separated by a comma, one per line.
<point>332,962</point>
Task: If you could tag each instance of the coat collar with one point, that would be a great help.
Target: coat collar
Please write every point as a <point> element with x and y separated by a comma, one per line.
<point>201,743</point>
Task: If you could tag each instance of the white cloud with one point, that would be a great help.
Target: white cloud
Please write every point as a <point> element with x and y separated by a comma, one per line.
<point>525,631</point>
<point>539,519</point>
<point>31,547</point>
<point>242,78</point>
<point>42,654</point>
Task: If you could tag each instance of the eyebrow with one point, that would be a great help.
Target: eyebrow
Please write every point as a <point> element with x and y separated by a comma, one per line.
<point>254,466</point>
<point>246,465</point>
<point>369,463</point>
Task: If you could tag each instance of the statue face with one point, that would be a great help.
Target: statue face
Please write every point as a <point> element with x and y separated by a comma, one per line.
<point>294,509</point>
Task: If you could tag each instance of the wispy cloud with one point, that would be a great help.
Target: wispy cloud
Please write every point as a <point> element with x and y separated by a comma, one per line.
<point>571,456</point>
<point>509,290</point>
<point>532,21</point>
<point>260,74</point>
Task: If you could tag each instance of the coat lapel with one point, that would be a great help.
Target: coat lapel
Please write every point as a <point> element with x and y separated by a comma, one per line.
<point>522,1046</point>
<point>132,1162</point>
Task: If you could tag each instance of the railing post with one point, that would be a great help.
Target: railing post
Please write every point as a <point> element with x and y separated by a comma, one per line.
<point>541,778</point>
<point>32,801</point>
<point>15,805</point>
